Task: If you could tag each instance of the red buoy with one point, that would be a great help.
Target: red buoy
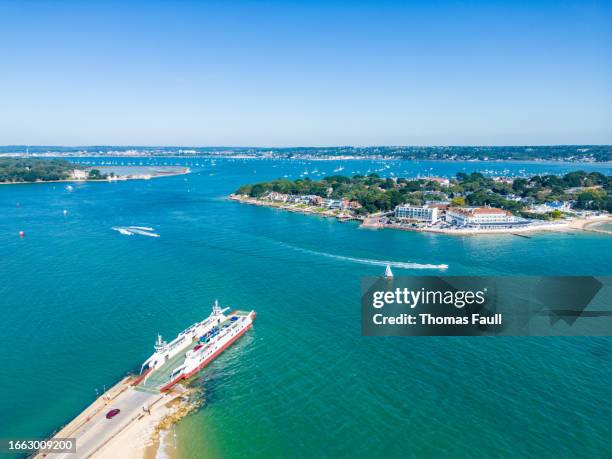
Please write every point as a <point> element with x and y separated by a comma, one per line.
<point>21,233</point>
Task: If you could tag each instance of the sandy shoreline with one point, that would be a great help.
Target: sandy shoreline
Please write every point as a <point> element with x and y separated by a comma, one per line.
<point>575,224</point>
<point>142,438</point>
<point>310,210</point>
<point>589,226</point>
<point>139,437</point>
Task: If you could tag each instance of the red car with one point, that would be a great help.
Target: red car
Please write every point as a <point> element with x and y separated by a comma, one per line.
<point>112,413</point>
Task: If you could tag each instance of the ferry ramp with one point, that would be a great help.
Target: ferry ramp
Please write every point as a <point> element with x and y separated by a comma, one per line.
<point>161,376</point>
<point>98,430</point>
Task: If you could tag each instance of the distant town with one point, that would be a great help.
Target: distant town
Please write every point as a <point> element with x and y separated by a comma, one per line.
<point>467,203</point>
<point>571,153</point>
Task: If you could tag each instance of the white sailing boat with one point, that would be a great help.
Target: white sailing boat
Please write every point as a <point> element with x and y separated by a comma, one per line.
<point>388,272</point>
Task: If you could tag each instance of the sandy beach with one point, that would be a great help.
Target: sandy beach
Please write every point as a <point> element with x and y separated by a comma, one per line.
<point>593,226</point>
<point>576,224</point>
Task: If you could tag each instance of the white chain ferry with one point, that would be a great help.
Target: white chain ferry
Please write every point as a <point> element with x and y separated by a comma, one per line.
<point>193,348</point>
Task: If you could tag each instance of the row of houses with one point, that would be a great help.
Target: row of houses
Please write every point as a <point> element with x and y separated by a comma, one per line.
<point>312,200</point>
<point>562,206</point>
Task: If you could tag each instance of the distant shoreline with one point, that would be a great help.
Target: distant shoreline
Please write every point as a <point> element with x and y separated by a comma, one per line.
<point>305,158</point>
<point>120,178</point>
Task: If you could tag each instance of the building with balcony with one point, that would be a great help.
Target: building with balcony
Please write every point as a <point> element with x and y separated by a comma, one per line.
<point>483,218</point>
<point>417,213</point>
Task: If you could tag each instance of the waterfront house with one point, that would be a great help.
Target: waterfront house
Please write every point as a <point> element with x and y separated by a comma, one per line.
<point>483,218</point>
<point>562,206</point>
<point>305,199</point>
<point>428,214</point>
<point>333,204</point>
<point>79,174</point>
<point>277,197</point>
<point>315,200</point>
<point>293,199</point>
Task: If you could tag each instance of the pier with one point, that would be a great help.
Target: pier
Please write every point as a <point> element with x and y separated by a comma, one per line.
<point>142,408</point>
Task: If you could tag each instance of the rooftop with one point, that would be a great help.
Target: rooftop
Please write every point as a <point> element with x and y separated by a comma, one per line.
<point>481,211</point>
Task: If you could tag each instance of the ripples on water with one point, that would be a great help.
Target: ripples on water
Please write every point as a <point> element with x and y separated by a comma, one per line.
<point>82,305</point>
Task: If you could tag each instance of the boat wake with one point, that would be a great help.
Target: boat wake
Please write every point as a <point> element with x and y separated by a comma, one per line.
<point>144,228</point>
<point>140,230</point>
<point>123,231</point>
<point>373,262</point>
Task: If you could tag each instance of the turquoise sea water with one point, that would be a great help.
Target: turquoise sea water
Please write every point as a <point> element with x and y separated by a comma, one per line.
<point>81,305</point>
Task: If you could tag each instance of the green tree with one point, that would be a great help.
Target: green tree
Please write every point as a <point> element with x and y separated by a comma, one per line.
<point>95,174</point>
<point>257,190</point>
<point>556,214</point>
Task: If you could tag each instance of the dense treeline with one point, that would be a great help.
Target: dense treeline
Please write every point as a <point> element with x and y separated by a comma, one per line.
<point>34,169</point>
<point>591,191</point>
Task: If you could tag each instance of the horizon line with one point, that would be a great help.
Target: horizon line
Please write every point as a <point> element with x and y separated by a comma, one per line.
<point>313,146</point>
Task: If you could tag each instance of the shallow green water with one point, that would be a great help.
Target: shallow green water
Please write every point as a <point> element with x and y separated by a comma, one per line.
<point>81,305</point>
<point>606,226</point>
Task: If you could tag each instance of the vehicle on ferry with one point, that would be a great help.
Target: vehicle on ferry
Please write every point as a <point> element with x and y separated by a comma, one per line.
<point>193,348</point>
<point>210,345</point>
<point>165,351</point>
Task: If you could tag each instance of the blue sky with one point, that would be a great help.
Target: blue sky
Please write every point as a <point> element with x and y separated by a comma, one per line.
<point>305,73</point>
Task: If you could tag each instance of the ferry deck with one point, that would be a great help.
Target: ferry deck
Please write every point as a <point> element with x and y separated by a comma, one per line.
<point>158,378</point>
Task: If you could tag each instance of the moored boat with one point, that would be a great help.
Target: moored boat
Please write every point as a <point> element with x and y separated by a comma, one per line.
<point>193,348</point>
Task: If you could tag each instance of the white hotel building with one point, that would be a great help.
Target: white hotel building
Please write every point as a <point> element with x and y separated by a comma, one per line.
<point>417,213</point>
<point>483,217</point>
